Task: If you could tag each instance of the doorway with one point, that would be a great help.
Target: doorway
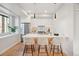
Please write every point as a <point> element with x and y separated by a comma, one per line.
<point>25,28</point>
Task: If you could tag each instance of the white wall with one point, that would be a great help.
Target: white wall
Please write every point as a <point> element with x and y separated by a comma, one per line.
<point>64,25</point>
<point>76,29</point>
<point>64,22</point>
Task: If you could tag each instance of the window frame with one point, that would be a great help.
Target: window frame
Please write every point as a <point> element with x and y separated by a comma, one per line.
<point>4,19</point>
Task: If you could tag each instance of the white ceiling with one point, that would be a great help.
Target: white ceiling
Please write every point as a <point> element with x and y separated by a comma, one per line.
<point>30,8</point>
<point>39,7</point>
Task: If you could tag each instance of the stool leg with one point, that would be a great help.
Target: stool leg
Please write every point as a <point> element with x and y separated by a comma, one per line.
<point>58,48</point>
<point>32,49</point>
<point>46,49</point>
<point>24,50</point>
<point>50,48</point>
<point>53,49</point>
<point>61,50</point>
<point>38,50</point>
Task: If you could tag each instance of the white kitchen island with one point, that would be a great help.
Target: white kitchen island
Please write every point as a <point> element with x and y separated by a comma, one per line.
<point>7,41</point>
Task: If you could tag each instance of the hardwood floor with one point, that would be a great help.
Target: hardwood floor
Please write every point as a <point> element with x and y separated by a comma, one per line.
<point>18,49</point>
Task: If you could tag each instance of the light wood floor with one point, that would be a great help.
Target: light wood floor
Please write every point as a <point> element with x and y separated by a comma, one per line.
<point>18,49</point>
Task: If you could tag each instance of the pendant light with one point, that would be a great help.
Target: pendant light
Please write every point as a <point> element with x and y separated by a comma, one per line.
<point>34,10</point>
<point>55,17</point>
<point>34,16</point>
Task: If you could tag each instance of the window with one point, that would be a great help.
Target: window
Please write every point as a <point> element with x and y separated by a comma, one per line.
<point>0,24</point>
<point>4,22</point>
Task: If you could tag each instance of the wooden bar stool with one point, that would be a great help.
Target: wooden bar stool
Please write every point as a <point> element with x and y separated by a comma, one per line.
<point>28,42</point>
<point>57,44</point>
<point>50,41</point>
<point>42,41</point>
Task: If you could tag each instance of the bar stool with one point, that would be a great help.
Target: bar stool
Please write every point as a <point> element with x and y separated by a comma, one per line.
<point>28,42</point>
<point>50,45</point>
<point>57,42</point>
<point>42,41</point>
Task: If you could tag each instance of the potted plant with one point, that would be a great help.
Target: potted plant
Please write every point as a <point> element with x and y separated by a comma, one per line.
<point>13,29</point>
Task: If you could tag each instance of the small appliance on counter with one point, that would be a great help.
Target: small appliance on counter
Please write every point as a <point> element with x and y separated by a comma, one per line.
<point>56,34</point>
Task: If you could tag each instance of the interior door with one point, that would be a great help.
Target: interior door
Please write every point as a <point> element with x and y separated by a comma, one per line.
<point>25,28</point>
